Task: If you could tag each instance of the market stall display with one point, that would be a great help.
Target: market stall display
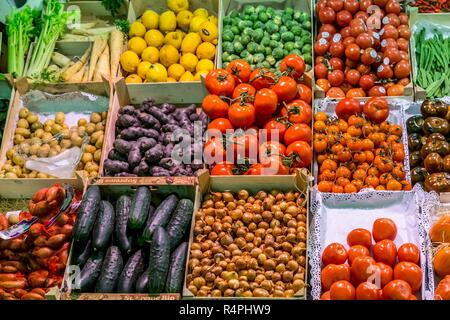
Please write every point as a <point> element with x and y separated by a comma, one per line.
<point>372,43</point>
<point>428,146</point>
<point>263,36</point>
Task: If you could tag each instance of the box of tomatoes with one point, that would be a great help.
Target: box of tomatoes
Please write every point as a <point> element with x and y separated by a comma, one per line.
<point>369,246</point>
<point>361,49</point>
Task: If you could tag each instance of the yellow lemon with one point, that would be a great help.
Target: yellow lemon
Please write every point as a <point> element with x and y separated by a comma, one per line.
<point>176,71</point>
<point>169,79</point>
<point>184,19</point>
<point>150,19</point>
<point>190,42</point>
<point>206,51</point>
<point>213,19</point>
<point>156,73</point>
<point>137,45</point>
<point>142,69</point>
<point>150,54</point>
<point>199,74</point>
<point>174,38</point>
<point>168,55</point>
<point>129,61</point>
<point>189,61</point>
<point>204,64</point>
<point>178,5</point>
<point>137,29</point>
<point>167,21</point>
<point>209,32</point>
<point>201,12</point>
<point>154,38</point>
<point>133,78</point>
<point>196,22</point>
<point>187,76</point>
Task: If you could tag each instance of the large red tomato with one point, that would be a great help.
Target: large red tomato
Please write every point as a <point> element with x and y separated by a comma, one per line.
<point>285,88</point>
<point>376,109</point>
<point>332,273</point>
<point>357,251</point>
<point>298,132</point>
<point>443,289</point>
<point>275,128</point>
<point>262,78</point>
<point>347,107</point>
<point>360,236</point>
<point>294,65</point>
<point>271,148</point>
<point>342,290</point>
<point>385,251</point>
<point>220,82</point>
<point>245,146</point>
<point>367,291</point>
<point>214,107</point>
<point>304,93</point>
<point>266,101</point>
<point>222,169</point>
<point>302,152</point>
<point>274,165</point>
<point>334,253</point>
<point>411,273</point>
<point>384,272</point>
<point>221,124</point>
<point>397,290</point>
<point>408,252</point>
<point>241,115</point>
<point>298,111</point>
<point>384,228</point>
<point>244,91</point>
<point>362,268</point>
<point>240,70</point>
<point>214,151</point>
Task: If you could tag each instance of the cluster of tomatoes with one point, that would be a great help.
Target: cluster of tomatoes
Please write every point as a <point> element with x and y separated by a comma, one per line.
<point>359,149</point>
<point>362,48</point>
<point>244,99</point>
<point>378,272</point>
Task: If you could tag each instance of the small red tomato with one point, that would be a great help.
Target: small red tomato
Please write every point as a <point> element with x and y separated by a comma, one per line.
<point>397,290</point>
<point>347,107</point>
<point>262,78</point>
<point>220,83</point>
<point>304,93</point>
<point>377,91</point>
<point>334,253</point>
<point>327,15</point>
<point>367,291</point>
<point>336,78</point>
<point>352,76</point>
<point>222,169</point>
<point>352,52</point>
<point>343,18</point>
<point>366,82</point>
<point>214,107</point>
<point>221,124</point>
<point>409,272</point>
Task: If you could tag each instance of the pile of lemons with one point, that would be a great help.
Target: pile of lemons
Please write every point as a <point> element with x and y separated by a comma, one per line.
<point>175,46</point>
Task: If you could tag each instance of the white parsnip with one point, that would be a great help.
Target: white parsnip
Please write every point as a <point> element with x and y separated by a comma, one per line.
<point>116,45</point>
<point>102,68</point>
<point>78,76</point>
<point>76,66</point>
<point>59,59</point>
<point>97,50</point>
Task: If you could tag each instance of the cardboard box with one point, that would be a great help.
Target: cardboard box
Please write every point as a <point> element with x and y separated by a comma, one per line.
<point>253,184</point>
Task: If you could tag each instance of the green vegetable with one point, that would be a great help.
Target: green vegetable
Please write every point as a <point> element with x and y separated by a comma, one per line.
<point>87,213</point>
<point>91,271</point>
<point>179,223</point>
<point>139,208</point>
<point>161,216</point>
<point>111,269</point>
<point>159,260</point>
<point>130,273</point>
<point>123,205</point>
<point>112,6</point>
<point>104,226</point>
<point>123,25</point>
<point>175,277</point>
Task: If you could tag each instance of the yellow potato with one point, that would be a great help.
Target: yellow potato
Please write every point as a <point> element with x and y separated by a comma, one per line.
<point>60,117</point>
<point>48,128</point>
<point>97,155</point>
<point>57,148</point>
<point>18,139</point>
<point>82,122</point>
<point>49,122</point>
<point>24,112</point>
<point>95,117</point>
<point>54,143</point>
<point>25,147</point>
<point>52,153</point>
<point>22,123</point>
<point>32,118</point>
<point>95,136</point>
<point>76,140</point>
<point>32,175</point>
<point>47,137</point>
<point>81,131</point>
<point>87,157</point>
<point>7,167</point>
<point>23,132</point>
<point>10,175</point>
<point>90,128</point>
<point>36,126</point>
<point>34,149</point>
<point>104,115</point>
<point>38,133</point>
<point>99,142</point>
<point>42,175</point>
<point>99,126</point>
<point>80,166</point>
<point>10,153</point>
<point>90,149</point>
<point>18,160</point>
<point>43,151</point>
<point>56,128</point>
<point>65,143</point>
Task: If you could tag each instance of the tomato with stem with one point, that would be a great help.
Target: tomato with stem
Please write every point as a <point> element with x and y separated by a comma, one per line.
<point>214,106</point>
<point>301,152</point>
<point>244,91</point>
<point>241,114</point>
<point>293,65</point>
<point>220,83</point>
<point>266,101</point>
<point>240,70</point>
<point>262,78</point>
<point>275,129</point>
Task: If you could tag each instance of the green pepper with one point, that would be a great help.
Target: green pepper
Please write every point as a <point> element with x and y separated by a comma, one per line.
<point>234,14</point>
<point>242,25</point>
<point>225,56</point>
<point>414,124</point>
<point>297,52</point>
<point>227,20</point>
<point>289,11</point>
<point>289,24</point>
<point>254,17</point>
<point>233,57</point>
<point>297,16</point>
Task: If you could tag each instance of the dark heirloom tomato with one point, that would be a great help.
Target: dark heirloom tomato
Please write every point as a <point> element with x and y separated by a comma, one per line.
<point>418,174</point>
<point>436,125</point>
<point>414,124</point>
<point>439,182</point>
<point>430,108</point>
<point>347,107</point>
<point>415,159</point>
<point>433,163</point>
<point>437,146</point>
<point>376,109</point>
<point>414,141</point>
<point>447,163</point>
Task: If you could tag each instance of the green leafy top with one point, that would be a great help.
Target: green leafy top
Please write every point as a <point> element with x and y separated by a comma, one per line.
<point>112,6</point>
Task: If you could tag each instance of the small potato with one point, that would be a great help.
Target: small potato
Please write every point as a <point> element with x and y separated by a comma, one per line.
<point>34,149</point>
<point>95,136</point>
<point>93,174</point>
<point>41,175</point>
<point>49,122</point>
<point>54,143</point>
<point>90,128</point>
<point>76,140</point>
<point>99,143</point>
<point>39,133</point>
<point>87,157</point>
<point>18,139</point>
<point>53,153</point>
<point>35,140</point>
<point>95,117</point>
<point>82,122</point>
<point>32,175</point>
<point>56,128</point>
<point>80,166</point>
<point>10,175</point>
<point>7,167</point>
<point>16,170</point>
<point>99,127</point>
<point>32,118</point>
<point>65,133</point>
<point>57,148</point>
<point>23,132</point>
<point>25,147</point>
<point>47,136</point>
<point>91,167</point>
<point>81,130</point>
<point>104,115</point>
<point>65,126</point>
<point>43,151</point>
<point>10,153</point>
<point>36,125</point>
<point>60,117</point>
<point>22,123</point>
<point>24,113</point>
<point>48,128</point>
<point>66,143</point>
<point>97,155</point>
<point>90,148</point>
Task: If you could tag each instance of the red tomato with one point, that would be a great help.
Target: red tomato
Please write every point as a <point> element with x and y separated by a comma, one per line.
<point>393,54</point>
<point>325,296</point>
<point>245,145</point>
<point>254,170</point>
<point>397,290</point>
<point>241,115</point>
<point>384,272</point>
<point>343,18</point>
<point>221,124</point>
<point>368,56</point>
<point>377,91</point>
<point>360,236</point>
<point>298,111</point>
<point>345,32</point>
<point>392,19</point>
<point>240,70</point>
<point>364,40</point>
<point>348,41</point>
<point>262,78</point>
<point>347,107</point>
<point>285,88</point>
<point>361,15</point>
<point>214,152</point>
<point>392,7</point>
<point>275,128</point>
<point>352,52</point>
<point>351,5</point>
<point>335,92</point>
<point>336,64</point>
<point>321,47</point>
<point>222,169</point>
<point>365,4</point>
<point>244,91</point>
<point>321,71</point>
<point>331,29</point>
<point>342,290</point>
<point>362,268</point>
<point>327,15</point>
<point>384,71</point>
<point>366,82</point>
<point>357,27</point>
<point>357,251</point>
<point>332,273</point>
<point>384,228</point>
<point>367,291</point>
<point>298,132</point>
<point>303,152</point>
<point>271,148</point>
<point>294,65</point>
<point>385,251</point>
<point>334,253</point>
<point>355,93</point>
<point>352,76</point>
<point>214,107</point>
<point>220,82</point>
<point>337,49</point>
<point>409,272</point>
<point>274,165</point>
<point>443,289</point>
<point>336,78</point>
<point>266,101</point>
<point>336,5</point>
<point>376,109</point>
<point>402,69</point>
<point>408,252</point>
<point>304,93</point>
